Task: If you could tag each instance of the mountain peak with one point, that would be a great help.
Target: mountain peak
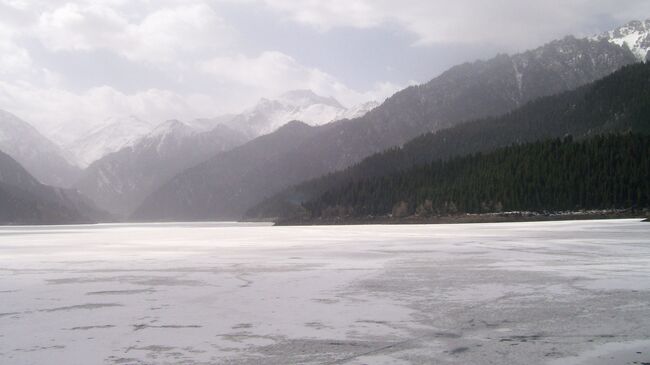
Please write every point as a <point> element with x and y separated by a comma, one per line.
<point>306,97</point>
<point>635,34</point>
<point>169,127</point>
<point>113,134</point>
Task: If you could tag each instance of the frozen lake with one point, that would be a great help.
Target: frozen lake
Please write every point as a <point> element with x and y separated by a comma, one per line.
<point>521,293</point>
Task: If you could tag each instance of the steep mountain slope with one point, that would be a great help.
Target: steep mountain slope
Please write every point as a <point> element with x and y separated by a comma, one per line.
<point>42,158</point>
<point>120,181</point>
<point>619,102</point>
<point>635,35</point>
<point>24,200</point>
<point>465,92</point>
<point>113,135</point>
<point>235,179</point>
<point>303,105</point>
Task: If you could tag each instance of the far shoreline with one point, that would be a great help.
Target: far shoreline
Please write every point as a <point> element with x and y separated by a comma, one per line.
<point>511,217</point>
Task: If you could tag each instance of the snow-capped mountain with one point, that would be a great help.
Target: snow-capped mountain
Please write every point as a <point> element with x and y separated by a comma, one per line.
<point>303,105</point>
<point>207,124</point>
<point>360,110</point>
<point>165,136</point>
<point>268,115</point>
<point>119,181</point>
<point>635,34</point>
<point>111,136</point>
<point>41,157</point>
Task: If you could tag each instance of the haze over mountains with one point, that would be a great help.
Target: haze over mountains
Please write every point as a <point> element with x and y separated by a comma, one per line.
<point>45,160</point>
<point>469,91</point>
<point>303,105</point>
<point>119,181</point>
<point>110,136</point>
<point>24,200</point>
<point>266,116</point>
<point>220,168</point>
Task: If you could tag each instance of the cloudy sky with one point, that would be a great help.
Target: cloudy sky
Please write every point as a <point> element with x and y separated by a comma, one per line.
<point>75,63</point>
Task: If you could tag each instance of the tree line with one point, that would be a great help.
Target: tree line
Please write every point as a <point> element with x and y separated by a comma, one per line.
<point>603,172</point>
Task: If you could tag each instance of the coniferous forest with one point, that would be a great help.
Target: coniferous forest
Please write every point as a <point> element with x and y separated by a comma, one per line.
<point>604,172</point>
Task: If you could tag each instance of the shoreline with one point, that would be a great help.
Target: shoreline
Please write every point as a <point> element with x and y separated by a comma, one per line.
<point>468,218</point>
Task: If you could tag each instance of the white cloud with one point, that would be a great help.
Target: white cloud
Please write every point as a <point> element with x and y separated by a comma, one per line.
<point>510,23</point>
<point>172,36</point>
<point>272,73</point>
<point>64,115</point>
<point>13,59</point>
<point>163,35</point>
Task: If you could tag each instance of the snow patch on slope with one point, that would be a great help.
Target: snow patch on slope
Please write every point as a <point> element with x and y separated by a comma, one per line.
<point>302,105</point>
<point>635,35</point>
<point>43,159</point>
<point>113,135</point>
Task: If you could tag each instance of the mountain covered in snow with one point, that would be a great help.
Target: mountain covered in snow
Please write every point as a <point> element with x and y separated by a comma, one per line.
<point>305,106</point>
<point>119,181</point>
<point>36,153</point>
<point>111,136</point>
<point>635,35</point>
<point>265,117</point>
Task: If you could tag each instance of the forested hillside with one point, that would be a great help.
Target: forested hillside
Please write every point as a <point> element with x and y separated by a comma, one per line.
<point>604,172</point>
<point>619,102</point>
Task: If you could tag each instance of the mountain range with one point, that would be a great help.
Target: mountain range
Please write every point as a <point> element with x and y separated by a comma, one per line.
<point>303,105</point>
<point>470,91</point>
<point>119,181</point>
<point>618,103</point>
<point>285,151</point>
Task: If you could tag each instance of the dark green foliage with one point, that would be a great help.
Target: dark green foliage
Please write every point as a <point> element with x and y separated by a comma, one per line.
<point>604,172</point>
<point>617,103</point>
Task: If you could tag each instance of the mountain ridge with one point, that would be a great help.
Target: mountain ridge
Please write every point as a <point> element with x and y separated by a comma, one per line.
<point>465,92</point>
<point>635,35</point>
<point>41,157</point>
<point>113,135</point>
<point>615,103</point>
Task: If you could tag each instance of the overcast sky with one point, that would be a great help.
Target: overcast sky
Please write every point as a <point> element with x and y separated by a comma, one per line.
<point>79,62</point>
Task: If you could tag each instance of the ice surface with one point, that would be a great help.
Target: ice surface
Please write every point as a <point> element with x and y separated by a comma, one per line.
<point>517,293</point>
